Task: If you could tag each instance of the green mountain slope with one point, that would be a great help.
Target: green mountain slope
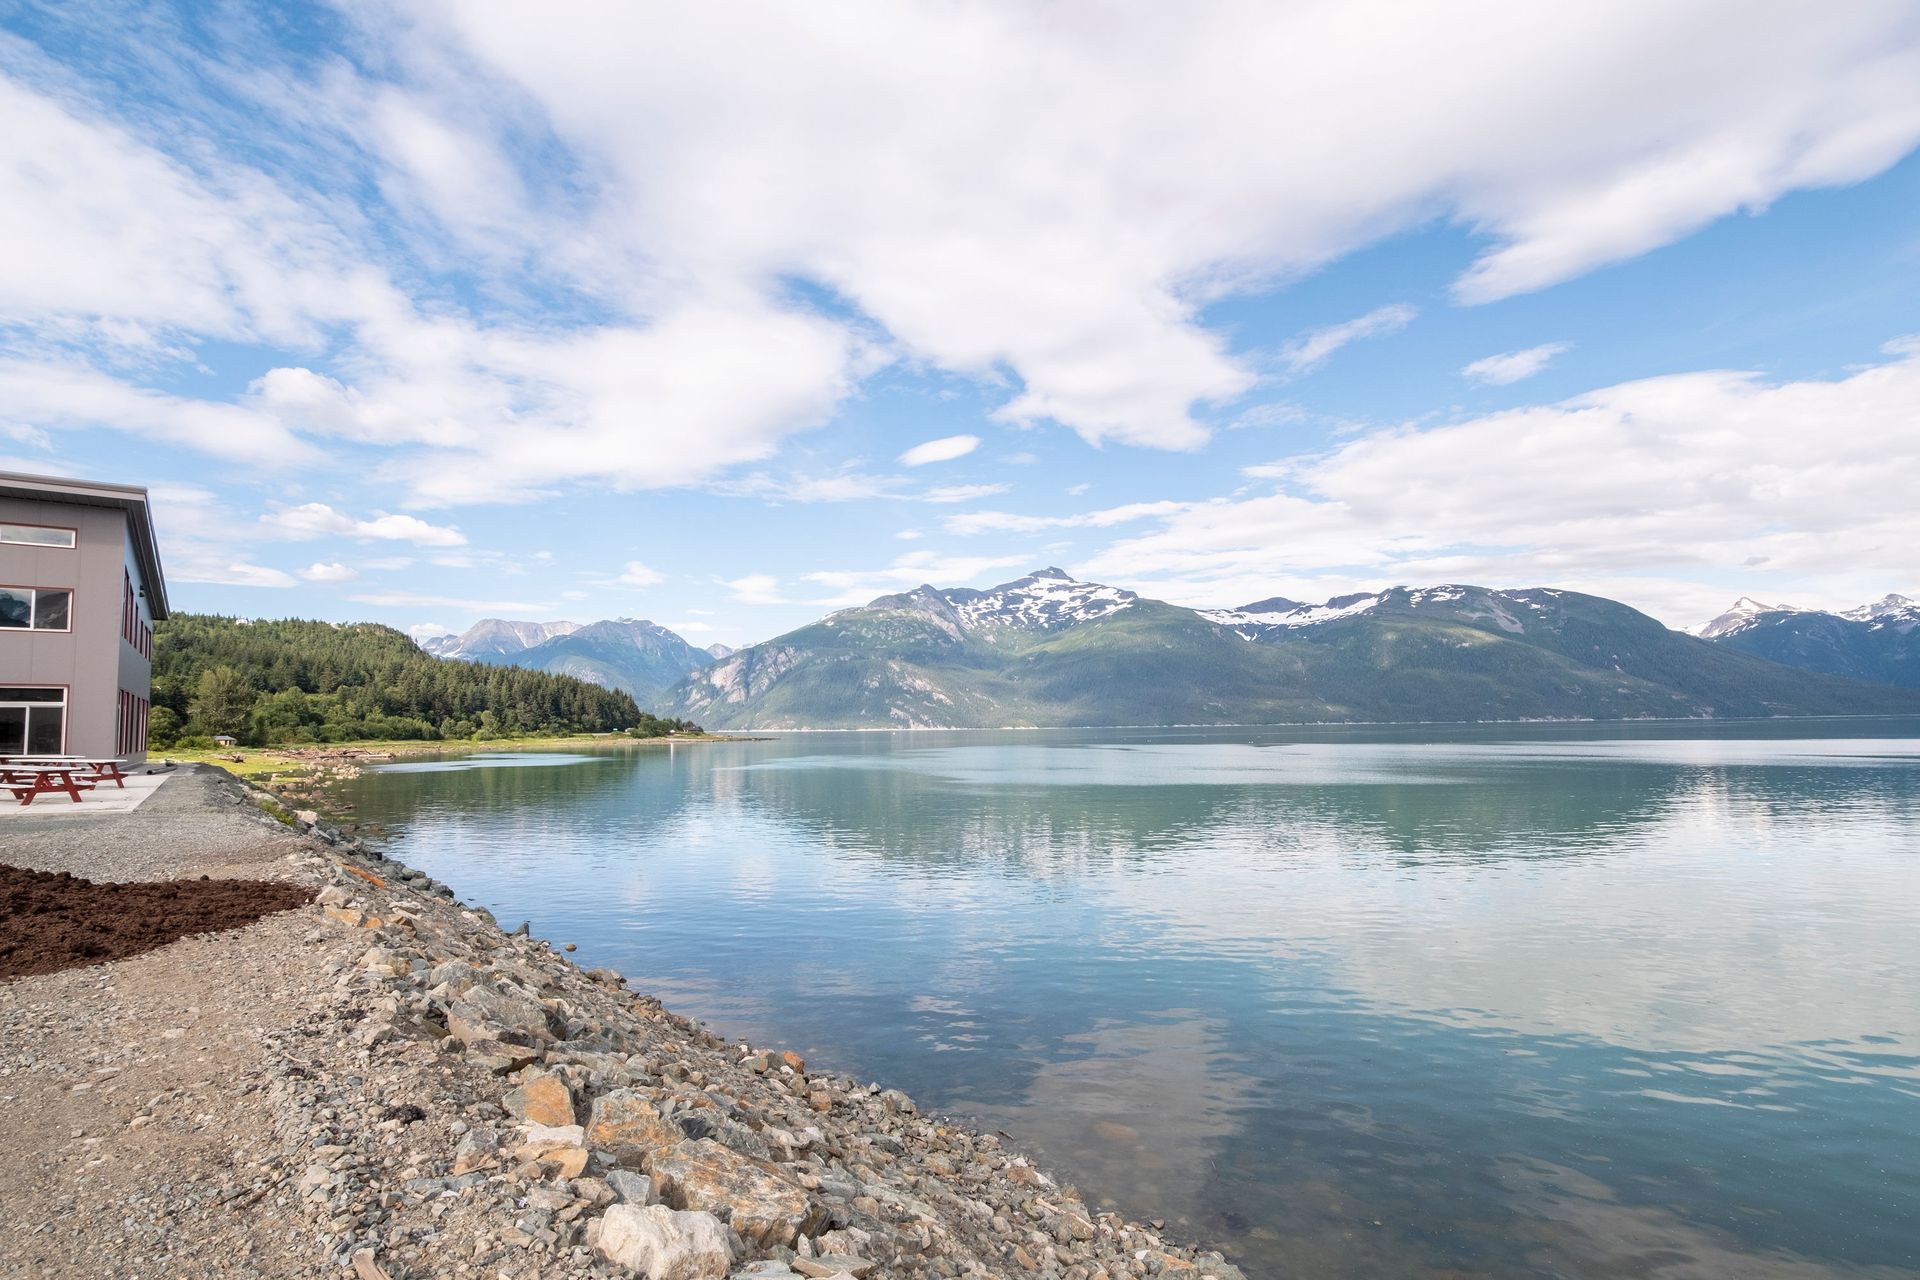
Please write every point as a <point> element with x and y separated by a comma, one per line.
<point>1046,650</point>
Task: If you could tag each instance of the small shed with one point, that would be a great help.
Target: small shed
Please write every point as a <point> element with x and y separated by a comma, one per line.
<point>225,740</point>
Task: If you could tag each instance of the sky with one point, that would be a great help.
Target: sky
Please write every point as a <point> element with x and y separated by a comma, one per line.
<point>727,316</point>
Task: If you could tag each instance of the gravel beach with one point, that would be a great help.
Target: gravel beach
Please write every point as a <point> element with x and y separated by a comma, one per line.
<point>382,1083</point>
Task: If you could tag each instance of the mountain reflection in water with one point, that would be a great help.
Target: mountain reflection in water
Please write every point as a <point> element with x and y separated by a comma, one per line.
<point>1593,1001</point>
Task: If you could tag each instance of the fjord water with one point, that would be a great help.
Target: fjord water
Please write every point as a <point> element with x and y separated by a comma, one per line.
<point>1602,1001</point>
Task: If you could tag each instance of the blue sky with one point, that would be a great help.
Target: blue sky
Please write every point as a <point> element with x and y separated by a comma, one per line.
<point>429,312</point>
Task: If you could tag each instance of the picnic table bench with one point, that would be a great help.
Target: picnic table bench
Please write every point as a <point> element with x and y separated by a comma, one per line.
<point>99,768</point>
<point>30,781</point>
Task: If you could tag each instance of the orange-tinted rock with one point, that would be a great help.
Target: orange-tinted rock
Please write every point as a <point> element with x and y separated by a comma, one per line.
<point>764,1206</point>
<point>627,1125</point>
<point>542,1099</point>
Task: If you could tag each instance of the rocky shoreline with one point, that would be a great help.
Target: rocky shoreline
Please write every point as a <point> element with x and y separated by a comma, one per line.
<point>451,1099</point>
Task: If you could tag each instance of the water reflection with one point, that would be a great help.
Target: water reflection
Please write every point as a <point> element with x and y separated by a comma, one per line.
<point>1497,1002</point>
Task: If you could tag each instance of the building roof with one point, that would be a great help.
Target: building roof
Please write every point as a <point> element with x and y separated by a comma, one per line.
<point>127,498</point>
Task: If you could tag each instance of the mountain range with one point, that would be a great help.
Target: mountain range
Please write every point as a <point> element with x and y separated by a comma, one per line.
<point>1047,649</point>
<point>628,654</point>
<point>1878,642</point>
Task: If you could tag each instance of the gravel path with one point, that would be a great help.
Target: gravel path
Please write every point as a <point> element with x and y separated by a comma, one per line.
<point>193,825</point>
<point>120,1122</point>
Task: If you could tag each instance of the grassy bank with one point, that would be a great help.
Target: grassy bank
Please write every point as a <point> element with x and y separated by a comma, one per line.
<point>266,764</point>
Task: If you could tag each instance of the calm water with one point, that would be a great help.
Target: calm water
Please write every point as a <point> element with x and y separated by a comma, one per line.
<point>1587,1002</point>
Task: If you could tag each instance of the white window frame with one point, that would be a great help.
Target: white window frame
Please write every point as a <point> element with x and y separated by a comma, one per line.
<point>73,535</point>
<point>26,727</point>
<point>33,610</point>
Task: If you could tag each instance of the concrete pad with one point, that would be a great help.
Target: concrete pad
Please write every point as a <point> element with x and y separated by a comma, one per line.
<point>103,801</point>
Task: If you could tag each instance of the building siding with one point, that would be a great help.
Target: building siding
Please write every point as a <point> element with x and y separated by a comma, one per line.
<point>93,661</point>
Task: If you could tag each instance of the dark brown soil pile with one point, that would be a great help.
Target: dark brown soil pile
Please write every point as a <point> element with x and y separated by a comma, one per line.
<point>52,920</point>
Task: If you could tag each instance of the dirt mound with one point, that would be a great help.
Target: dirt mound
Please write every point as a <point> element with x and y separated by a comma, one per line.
<point>52,920</point>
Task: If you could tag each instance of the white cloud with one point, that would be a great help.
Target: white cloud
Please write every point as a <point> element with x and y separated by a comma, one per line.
<point>1309,352</point>
<point>945,449</point>
<point>952,493</point>
<point>321,571</point>
<point>1007,522</point>
<point>847,485</point>
<point>407,599</point>
<point>61,393</point>
<point>1660,492</point>
<point>318,520</point>
<point>908,535</point>
<point>196,564</point>
<point>1097,185</point>
<point>429,630</point>
<point>756,588</point>
<point>1513,366</point>
<point>1097,181</point>
<point>857,586</point>
<point>637,574</point>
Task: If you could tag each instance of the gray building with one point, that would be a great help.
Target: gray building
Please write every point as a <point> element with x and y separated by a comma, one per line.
<point>80,590</point>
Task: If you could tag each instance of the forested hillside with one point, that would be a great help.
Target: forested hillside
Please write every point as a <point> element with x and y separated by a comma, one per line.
<point>291,680</point>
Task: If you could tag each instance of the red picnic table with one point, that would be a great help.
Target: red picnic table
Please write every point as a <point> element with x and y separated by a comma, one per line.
<point>28,781</point>
<point>97,768</point>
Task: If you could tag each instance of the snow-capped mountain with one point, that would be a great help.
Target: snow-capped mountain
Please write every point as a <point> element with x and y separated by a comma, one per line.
<point>1045,601</point>
<point>1741,614</point>
<point>1889,608</point>
<point>495,639</point>
<point>1879,642</point>
<point>1048,649</point>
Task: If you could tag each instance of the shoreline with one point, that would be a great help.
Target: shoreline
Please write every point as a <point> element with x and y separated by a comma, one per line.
<point>566,1124</point>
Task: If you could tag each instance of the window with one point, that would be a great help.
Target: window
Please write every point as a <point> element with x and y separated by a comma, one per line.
<point>36,535</point>
<point>134,631</point>
<point>36,608</point>
<point>33,722</point>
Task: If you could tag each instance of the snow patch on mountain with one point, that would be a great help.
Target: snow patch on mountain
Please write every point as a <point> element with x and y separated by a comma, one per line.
<point>1744,613</point>
<point>1251,623</point>
<point>1049,600</point>
<point>1887,608</point>
<point>1891,610</point>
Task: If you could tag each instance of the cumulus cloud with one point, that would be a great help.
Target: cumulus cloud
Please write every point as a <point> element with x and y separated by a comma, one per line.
<point>1310,351</point>
<point>323,571</point>
<point>945,449</point>
<point>1095,187</point>
<point>1500,370</point>
<point>1667,483</point>
<point>637,574</point>
<point>318,520</point>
